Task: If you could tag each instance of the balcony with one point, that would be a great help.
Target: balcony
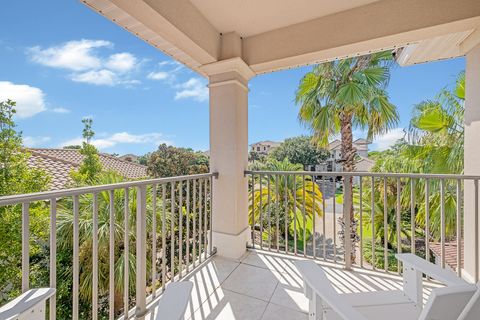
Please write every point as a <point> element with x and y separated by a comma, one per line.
<point>292,215</point>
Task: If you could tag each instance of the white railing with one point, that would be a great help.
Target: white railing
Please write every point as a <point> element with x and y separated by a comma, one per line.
<point>301,213</point>
<point>172,215</point>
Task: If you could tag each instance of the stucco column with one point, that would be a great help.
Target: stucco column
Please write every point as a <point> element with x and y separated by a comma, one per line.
<point>228,85</point>
<point>472,160</point>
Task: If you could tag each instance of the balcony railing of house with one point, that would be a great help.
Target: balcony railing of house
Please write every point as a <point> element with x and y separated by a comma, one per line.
<point>162,229</point>
<point>418,213</point>
<point>159,228</point>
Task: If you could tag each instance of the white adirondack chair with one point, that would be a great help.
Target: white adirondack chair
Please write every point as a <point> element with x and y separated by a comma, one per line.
<point>445,303</point>
<point>28,306</point>
<point>174,301</point>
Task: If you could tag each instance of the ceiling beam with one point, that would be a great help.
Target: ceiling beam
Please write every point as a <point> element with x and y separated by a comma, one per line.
<point>175,27</point>
<point>377,26</point>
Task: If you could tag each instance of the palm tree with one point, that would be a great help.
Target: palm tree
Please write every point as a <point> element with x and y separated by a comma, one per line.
<point>65,238</point>
<point>337,96</point>
<point>290,202</point>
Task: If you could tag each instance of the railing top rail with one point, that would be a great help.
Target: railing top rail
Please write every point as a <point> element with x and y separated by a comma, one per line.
<point>46,195</point>
<point>371,174</point>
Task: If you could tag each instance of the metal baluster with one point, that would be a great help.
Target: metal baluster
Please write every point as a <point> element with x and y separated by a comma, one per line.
<point>205,219</point>
<point>172,231</point>
<point>25,246</point>
<point>75,285</point>
<point>372,221</point>
<point>95,258</point>
<point>294,214</point>
<point>398,213</point>
<point>286,212</point>
<point>334,221</point>
<point>200,219</point>
<point>459,227</point>
<point>427,219</point>
<point>385,225</point>
<point>324,220</point>
<point>360,186</point>
<point>154,240</point>
<point>412,213</point>
<point>253,211</point>
<point>476,229</point>
<point>304,218</point>
<point>347,239</point>
<point>111,269</point>
<point>180,229</point>
<point>442,221</point>
<point>187,263</point>
<point>53,255</point>
<point>194,235</point>
<point>314,205</point>
<point>164,236</point>
<point>126,246</point>
<point>277,213</point>
<point>141,253</point>
<point>261,212</point>
<point>269,214</point>
<point>210,242</point>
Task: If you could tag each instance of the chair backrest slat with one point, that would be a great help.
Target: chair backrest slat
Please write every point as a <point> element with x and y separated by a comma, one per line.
<point>447,303</point>
<point>472,310</point>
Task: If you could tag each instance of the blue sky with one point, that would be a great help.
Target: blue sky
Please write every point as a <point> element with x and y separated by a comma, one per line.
<point>62,62</point>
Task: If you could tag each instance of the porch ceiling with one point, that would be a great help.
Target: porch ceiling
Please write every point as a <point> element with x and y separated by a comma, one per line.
<point>270,35</point>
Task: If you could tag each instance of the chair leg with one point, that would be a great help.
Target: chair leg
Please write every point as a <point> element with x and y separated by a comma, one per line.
<point>315,307</point>
<point>413,286</point>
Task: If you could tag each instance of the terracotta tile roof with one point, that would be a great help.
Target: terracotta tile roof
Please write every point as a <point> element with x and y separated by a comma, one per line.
<point>450,252</point>
<point>59,162</point>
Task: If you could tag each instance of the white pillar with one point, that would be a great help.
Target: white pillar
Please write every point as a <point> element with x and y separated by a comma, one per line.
<point>229,154</point>
<point>472,161</point>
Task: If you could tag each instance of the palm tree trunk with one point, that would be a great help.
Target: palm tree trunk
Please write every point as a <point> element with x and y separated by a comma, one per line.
<point>348,164</point>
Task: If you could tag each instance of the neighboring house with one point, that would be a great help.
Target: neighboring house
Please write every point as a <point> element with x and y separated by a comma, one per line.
<point>264,147</point>
<point>333,164</point>
<point>58,163</point>
<point>129,157</point>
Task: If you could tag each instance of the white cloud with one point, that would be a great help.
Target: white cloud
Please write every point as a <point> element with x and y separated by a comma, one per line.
<point>30,100</point>
<point>60,110</point>
<point>97,77</point>
<point>35,141</point>
<point>389,139</point>
<point>121,138</point>
<point>194,88</point>
<point>160,75</point>
<point>83,59</point>
<point>77,55</point>
<point>121,62</point>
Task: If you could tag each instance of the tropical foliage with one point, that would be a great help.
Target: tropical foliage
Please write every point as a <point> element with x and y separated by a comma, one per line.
<point>285,204</point>
<point>17,177</point>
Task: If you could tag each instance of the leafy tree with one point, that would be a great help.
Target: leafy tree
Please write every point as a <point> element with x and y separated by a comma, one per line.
<point>91,165</point>
<point>292,190</point>
<point>169,161</point>
<point>17,177</point>
<point>337,96</point>
<point>300,150</point>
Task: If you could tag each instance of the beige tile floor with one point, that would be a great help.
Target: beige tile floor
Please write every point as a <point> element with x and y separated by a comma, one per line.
<point>266,285</point>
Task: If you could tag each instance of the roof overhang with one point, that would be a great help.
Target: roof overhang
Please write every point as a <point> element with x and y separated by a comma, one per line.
<point>271,35</point>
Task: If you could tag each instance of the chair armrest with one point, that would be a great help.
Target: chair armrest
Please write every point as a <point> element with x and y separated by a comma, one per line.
<point>26,302</point>
<point>316,279</point>
<point>174,301</point>
<point>447,277</point>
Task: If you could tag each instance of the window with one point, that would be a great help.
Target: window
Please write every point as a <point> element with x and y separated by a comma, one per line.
<point>258,148</point>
